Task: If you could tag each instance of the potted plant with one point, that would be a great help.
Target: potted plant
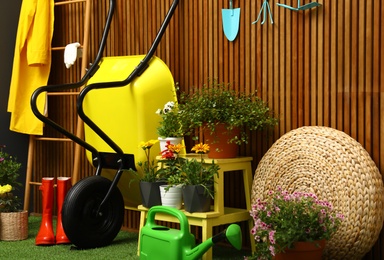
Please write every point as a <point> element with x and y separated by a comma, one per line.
<point>169,128</point>
<point>198,186</point>
<point>13,221</point>
<point>284,221</point>
<point>216,109</point>
<point>147,174</point>
<point>170,172</point>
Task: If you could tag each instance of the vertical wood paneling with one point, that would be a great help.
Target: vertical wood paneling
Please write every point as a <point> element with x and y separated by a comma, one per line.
<point>339,60</point>
<point>381,93</point>
<point>324,88</point>
<point>376,80</point>
<point>369,77</point>
<point>332,63</point>
<point>322,66</point>
<point>347,69</point>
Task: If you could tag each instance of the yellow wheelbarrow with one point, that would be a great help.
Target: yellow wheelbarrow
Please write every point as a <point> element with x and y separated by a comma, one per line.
<point>118,107</point>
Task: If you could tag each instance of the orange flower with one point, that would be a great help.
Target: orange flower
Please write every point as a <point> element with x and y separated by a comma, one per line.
<point>175,148</point>
<point>201,148</point>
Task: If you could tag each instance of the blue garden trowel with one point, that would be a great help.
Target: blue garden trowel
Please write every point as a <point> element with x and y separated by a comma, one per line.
<point>299,6</point>
<point>231,21</point>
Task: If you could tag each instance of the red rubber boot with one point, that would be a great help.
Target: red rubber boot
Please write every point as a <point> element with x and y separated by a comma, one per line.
<point>63,185</point>
<point>45,235</point>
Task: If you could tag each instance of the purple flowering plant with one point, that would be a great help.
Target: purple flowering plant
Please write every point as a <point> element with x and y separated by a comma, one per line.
<point>285,218</point>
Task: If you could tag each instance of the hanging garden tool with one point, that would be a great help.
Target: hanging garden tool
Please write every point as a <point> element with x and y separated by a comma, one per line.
<point>264,8</point>
<point>299,6</point>
<point>231,20</point>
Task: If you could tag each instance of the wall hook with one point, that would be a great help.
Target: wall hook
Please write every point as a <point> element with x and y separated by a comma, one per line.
<point>299,6</point>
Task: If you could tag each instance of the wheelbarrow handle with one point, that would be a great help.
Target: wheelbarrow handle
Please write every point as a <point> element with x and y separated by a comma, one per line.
<point>144,63</point>
<point>139,69</point>
<point>89,73</point>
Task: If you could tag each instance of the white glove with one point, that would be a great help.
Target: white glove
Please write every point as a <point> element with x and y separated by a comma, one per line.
<point>70,54</point>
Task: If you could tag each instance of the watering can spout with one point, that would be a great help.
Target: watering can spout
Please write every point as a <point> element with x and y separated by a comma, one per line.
<point>232,234</point>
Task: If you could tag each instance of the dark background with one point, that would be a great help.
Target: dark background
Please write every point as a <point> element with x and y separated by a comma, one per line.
<point>17,144</point>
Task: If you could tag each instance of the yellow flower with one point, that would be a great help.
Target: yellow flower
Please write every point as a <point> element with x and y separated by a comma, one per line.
<point>148,144</point>
<point>201,148</point>
<point>5,189</point>
<point>175,148</point>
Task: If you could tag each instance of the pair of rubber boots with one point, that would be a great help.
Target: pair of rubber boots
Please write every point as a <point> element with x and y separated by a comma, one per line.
<point>45,236</point>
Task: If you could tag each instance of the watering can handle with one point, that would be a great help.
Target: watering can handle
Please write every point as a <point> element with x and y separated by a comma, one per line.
<point>184,225</point>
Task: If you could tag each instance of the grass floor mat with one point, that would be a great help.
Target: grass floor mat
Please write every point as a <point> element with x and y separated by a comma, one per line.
<point>123,247</point>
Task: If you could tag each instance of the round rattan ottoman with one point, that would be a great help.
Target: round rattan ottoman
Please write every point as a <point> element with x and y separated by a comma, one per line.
<point>336,168</point>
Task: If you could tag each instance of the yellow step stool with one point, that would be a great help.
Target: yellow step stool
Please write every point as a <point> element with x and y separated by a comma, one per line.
<point>219,215</point>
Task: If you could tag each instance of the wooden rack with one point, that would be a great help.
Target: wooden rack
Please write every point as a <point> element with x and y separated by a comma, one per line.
<point>80,126</point>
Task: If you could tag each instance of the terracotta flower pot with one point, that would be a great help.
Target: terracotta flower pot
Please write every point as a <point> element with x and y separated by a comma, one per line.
<point>218,141</point>
<point>303,251</point>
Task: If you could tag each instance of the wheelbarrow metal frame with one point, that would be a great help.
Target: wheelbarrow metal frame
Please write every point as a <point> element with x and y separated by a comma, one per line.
<point>100,159</point>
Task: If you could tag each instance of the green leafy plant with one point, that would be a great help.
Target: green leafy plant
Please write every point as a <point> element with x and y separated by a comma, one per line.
<point>9,173</point>
<point>197,172</point>
<point>284,218</point>
<point>178,170</point>
<point>170,125</point>
<point>149,166</point>
<point>171,161</point>
<point>217,103</point>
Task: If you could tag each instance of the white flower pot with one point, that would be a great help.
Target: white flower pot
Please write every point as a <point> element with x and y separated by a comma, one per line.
<point>173,140</point>
<point>172,197</point>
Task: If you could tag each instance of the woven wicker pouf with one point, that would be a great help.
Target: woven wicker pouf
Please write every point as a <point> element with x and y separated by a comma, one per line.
<point>336,168</point>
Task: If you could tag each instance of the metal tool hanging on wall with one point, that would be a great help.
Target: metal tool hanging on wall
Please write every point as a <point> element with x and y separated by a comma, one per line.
<point>264,8</point>
<point>299,6</point>
<point>231,21</point>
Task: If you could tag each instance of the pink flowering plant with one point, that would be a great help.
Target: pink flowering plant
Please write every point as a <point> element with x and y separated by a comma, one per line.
<point>283,219</point>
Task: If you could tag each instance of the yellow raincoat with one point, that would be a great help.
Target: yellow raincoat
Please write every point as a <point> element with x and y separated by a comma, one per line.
<point>31,64</point>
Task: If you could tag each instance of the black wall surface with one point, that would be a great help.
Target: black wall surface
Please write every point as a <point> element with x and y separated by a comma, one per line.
<point>17,144</point>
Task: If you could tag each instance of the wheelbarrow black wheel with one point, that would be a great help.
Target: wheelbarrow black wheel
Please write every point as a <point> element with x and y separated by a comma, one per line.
<point>85,225</point>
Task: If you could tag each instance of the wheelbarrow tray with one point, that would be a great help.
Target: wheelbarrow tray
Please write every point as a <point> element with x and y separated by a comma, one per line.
<point>127,114</point>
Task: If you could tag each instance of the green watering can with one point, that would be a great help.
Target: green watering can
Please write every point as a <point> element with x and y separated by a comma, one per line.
<point>160,242</point>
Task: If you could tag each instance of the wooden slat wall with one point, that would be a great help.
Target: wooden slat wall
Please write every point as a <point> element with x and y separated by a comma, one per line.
<point>322,66</point>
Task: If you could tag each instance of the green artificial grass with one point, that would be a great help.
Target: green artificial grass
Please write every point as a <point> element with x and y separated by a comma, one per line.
<point>123,247</point>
